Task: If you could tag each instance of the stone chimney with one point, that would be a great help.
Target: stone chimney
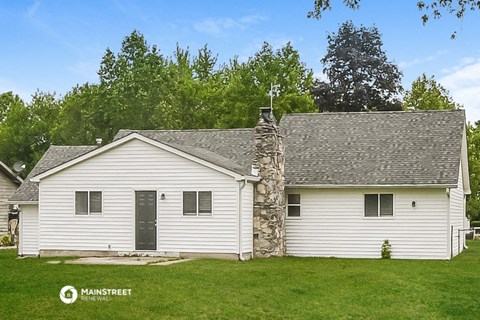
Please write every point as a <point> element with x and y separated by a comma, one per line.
<point>269,204</point>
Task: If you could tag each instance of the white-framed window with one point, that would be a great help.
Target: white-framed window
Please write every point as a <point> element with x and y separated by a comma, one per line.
<point>88,202</point>
<point>378,205</point>
<point>197,203</point>
<point>293,205</point>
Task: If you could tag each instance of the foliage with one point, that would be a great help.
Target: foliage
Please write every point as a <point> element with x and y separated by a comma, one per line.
<point>386,250</point>
<point>427,94</point>
<point>360,75</point>
<point>26,130</point>
<point>247,85</point>
<point>474,224</point>
<point>299,288</point>
<point>6,240</point>
<point>140,88</point>
<point>458,8</point>
<point>473,145</point>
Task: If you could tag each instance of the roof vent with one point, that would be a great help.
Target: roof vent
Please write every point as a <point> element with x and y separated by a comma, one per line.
<point>99,141</point>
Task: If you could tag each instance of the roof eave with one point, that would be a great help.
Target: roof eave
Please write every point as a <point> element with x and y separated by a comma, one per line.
<point>22,202</point>
<point>370,186</point>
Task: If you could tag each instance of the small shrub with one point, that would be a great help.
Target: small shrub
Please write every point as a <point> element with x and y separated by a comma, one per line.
<point>386,250</point>
<point>6,240</point>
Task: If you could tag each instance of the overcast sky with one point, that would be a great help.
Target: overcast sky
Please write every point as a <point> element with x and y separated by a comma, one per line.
<point>54,45</point>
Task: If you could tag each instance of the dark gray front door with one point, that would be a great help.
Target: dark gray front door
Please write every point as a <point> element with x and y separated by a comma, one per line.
<point>145,220</point>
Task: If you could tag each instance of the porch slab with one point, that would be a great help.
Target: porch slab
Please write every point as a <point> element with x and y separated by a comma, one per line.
<point>132,261</point>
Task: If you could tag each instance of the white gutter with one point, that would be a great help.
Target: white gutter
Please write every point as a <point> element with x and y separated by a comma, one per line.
<point>335,186</point>
<point>241,186</point>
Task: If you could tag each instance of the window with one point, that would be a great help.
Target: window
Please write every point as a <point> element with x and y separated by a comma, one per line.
<point>197,203</point>
<point>293,205</point>
<point>379,205</point>
<point>88,202</point>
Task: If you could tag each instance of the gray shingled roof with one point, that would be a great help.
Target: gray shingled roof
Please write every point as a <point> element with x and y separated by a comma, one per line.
<point>231,149</point>
<point>375,148</point>
<point>55,156</point>
<point>7,172</point>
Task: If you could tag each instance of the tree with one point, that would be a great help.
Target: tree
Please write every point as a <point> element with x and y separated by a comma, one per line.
<point>26,130</point>
<point>473,143</point>
<point>246,87</point>
<point>139,88</point>
<point>427,94</point>
<point>360,75</point>
<point>458,8</point>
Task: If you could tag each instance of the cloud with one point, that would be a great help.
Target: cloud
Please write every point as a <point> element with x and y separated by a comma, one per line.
<point>256,44</point>
<point>32,9</point>
<point>85,69</point>
<point>416,61</point>
<point>463,82</point>
<point>6,85</point>
<point>221,26</point>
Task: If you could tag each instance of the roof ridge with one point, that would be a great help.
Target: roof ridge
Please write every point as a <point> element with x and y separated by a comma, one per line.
<point>70,146</point>
<point>185,130</point>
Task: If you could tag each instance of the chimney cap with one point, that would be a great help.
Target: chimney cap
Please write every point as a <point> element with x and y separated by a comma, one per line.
<point>266,114</point>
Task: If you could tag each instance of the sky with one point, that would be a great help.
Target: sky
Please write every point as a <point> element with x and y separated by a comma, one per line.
<point>53,45</point>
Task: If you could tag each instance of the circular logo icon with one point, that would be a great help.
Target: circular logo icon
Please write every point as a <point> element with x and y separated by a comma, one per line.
<point>68,294</point>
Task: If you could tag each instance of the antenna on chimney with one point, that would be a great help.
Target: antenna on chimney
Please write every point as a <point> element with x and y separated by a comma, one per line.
<point>274,90</point>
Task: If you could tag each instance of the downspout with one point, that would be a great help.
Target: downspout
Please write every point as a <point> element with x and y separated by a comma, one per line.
<point>449,227</point>
<point>241,186</point>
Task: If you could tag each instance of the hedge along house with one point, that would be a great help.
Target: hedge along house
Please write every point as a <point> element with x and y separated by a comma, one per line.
<point>331,184</point>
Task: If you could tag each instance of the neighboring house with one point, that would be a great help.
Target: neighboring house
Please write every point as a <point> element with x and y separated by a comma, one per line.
<point>328,184</point>
<point>9,182</point>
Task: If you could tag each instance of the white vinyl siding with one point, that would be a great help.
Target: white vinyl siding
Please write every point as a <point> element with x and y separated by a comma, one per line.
<point>333,224</point>
<point>137,165</point>
<point>28,230</point>
<point>457,216</point>
<point>7,188</point>
<point>247,218</point>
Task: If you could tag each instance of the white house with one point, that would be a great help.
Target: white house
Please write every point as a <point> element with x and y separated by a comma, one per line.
<point>329,184</point>
<point>9,182</point>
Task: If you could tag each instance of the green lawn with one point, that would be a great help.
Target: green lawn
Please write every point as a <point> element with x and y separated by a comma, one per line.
<point>282,288</point>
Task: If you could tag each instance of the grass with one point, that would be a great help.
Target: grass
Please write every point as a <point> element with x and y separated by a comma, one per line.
<point>281,288</point>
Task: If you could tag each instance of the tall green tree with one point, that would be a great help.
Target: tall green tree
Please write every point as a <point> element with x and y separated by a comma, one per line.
<point>247,86</point>
<point>360,76</point>
<point>26,130</point>
<point>140,88</point>
<point>435,9</point>
<point>428,94</point>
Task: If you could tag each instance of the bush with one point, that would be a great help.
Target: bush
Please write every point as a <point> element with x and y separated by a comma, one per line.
<point>474,224</point>
<point>386,249</point>
<point>6,240</point>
